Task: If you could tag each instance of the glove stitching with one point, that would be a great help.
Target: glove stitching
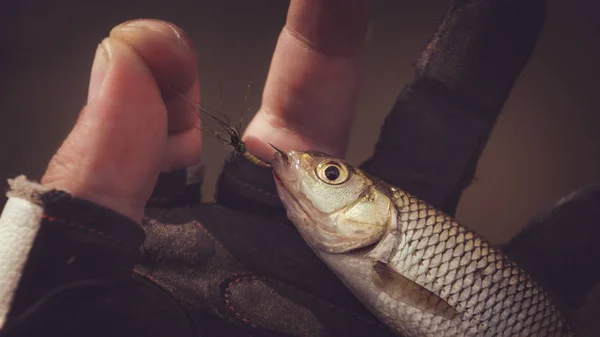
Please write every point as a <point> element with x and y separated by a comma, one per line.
<point>52,219</point>
<point>249,277</point>
<point>229,306</point>
<point>252,187</point>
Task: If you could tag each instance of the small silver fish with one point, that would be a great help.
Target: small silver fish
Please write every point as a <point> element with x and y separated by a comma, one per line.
<point>416,268</point>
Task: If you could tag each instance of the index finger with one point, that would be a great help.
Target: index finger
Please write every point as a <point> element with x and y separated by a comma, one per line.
<point>310,95</point>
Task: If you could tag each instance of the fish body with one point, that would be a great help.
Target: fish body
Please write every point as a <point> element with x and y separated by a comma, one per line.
<point>416,268</point>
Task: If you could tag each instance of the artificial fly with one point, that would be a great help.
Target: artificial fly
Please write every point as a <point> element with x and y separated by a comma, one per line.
<point>234,139</point>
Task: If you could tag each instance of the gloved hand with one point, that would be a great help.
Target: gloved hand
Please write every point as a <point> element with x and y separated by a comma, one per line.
<point>237,267</point>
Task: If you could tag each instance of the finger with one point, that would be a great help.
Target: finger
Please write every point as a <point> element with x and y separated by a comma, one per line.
<point>432,139</point>
<point>129,129</point>
<point>184,142</point>
<point>172,59</point>
<point>113,154</point>
<point>310,95</point>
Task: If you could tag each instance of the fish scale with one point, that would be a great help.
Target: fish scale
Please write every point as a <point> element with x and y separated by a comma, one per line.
<point>470,275</point>
<point>417,269</point>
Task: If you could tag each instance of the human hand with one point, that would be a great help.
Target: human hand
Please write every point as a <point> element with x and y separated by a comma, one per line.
<point>309,102</point>
<point>134,126</point>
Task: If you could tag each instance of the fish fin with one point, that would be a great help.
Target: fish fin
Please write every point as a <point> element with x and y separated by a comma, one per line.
<point>405,290</point>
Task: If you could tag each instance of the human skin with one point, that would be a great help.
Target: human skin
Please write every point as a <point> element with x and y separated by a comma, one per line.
<point>135,126</point>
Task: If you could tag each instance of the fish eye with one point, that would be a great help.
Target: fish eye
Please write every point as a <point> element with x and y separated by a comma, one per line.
<point>332,173</point>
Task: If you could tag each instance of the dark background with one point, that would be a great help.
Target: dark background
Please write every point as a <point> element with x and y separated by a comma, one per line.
<point>545,144</point>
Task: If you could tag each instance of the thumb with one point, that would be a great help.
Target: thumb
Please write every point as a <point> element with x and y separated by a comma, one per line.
<point>113,154</point>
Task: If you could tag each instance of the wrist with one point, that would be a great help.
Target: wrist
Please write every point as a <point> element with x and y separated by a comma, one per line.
<point>129,207</point>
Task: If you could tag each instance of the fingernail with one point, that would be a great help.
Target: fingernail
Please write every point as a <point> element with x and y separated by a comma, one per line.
<point>175,34</point>
<point>99,70</point>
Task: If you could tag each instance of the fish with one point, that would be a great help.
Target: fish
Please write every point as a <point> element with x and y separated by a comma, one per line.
<point>417,269</point>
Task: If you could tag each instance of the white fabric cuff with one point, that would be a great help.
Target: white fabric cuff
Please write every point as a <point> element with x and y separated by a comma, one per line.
<point>19,225</point>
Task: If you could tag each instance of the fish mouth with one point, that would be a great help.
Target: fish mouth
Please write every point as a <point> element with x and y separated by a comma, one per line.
<point>282,188</point>
<point>306,224</point>
<point>290,201</point>
<point>281,164</point>
<point>278,180</point>
<point>288,198</point>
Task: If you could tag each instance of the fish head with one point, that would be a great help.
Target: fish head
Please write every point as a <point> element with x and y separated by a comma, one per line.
<point>335,206</point>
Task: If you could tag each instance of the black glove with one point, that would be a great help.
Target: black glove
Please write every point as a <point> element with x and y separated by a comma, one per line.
<point>238,267</point>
